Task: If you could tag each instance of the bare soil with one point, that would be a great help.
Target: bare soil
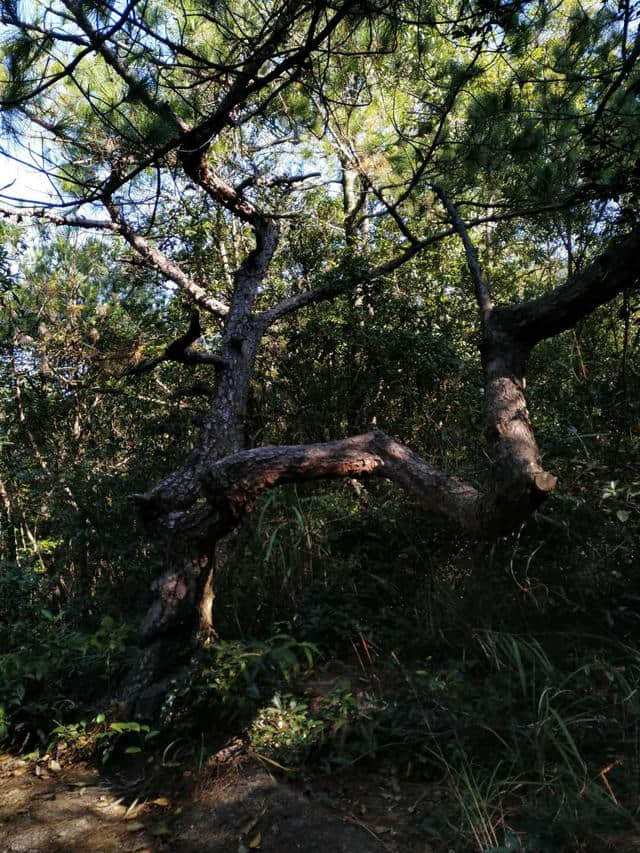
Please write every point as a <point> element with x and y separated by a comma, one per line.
<point>46,807</point>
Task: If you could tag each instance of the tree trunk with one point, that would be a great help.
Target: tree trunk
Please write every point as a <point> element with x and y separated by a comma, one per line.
<point>7,526</point>
<point>219,484</point>
<point>180,617</point>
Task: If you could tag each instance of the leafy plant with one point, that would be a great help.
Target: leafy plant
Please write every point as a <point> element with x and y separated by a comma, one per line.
<point>37,678</point>
<point>106,737</point>
<point>235,676</point>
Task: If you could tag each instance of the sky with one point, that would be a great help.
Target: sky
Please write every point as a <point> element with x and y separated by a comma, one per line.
<point>18,180</point>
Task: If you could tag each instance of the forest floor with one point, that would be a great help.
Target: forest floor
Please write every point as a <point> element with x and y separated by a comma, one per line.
<point>48,807</point>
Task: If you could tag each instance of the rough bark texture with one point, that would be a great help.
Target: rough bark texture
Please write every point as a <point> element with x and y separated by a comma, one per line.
<point>233,484</point>
<point>199,505</point>
<point>204,502</point>
<point>181,612</point>
<point>614,270</point>
<point>517,483</point>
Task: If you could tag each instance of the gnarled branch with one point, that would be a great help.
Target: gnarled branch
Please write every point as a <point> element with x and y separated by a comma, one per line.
<point>614,270</point>
<point>516,483</point>
<point>180,351</point>
<point>236,481</point>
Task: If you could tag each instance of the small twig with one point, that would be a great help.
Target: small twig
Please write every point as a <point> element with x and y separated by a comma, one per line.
<point>603,776</point>
<point>349,818</point>
<point>280,180</point>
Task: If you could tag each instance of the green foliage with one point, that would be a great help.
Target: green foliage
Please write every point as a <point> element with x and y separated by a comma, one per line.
<point>547,727</point>
<point>507,670</point>
<point>517,737</point>
<point>106,738</point>
<point>291,732</point>
<point>486,702</point>
<point>284,731</point>
<point>47,672</point>
<point>234,677</point>
<point>23,599</point>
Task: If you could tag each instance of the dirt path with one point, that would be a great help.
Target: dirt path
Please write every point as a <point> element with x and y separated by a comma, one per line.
<point>50,809</point>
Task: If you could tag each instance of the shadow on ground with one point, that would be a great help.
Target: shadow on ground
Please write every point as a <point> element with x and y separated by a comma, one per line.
<point>218,810</point>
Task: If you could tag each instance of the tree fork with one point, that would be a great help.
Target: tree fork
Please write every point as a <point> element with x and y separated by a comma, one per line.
<point>516,484</point>
<point>207,499</point>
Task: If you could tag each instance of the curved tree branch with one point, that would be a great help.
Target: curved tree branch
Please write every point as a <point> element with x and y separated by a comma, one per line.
<point>614,270</point>
<point>181,352</point>
<point>516,483</point>
<point>235,482</point>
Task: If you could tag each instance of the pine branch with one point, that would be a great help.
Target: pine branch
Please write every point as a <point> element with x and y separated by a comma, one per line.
<point>483,297</point>
<point>180,351</point>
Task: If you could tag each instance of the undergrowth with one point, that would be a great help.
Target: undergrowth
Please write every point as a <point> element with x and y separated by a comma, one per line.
<point>505,674</point>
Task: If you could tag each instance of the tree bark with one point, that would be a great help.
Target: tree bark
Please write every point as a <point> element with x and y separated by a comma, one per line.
<point>206,500</point>
<point>229,479</point>
<point>180,616</point>
<point>7,526</point>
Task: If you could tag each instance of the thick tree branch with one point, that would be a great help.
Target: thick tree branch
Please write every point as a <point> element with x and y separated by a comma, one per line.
<point>516,483</point>
<point>232,484</point>
<point>238,480</point>
<point>611,272</point>
<point>180,351</point>
<point>197,167</point>
<point>300,300</point>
